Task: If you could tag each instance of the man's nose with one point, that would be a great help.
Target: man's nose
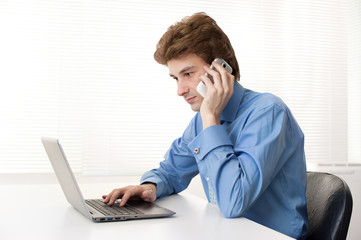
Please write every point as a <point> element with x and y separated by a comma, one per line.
<point>183,87</point>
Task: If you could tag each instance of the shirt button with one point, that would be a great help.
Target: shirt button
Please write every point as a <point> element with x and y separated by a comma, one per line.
<point>196,150</point>
<point>207,179</point>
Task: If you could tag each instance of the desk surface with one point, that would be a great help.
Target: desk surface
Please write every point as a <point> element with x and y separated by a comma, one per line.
<point>40,211</point>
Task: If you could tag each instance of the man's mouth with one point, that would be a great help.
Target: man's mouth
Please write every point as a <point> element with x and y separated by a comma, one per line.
<point>190,99</point>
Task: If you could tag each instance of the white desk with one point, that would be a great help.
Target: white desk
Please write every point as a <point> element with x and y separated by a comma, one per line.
<point>40,211</point>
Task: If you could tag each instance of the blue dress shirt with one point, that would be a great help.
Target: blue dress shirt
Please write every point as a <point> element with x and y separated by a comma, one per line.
<point>253,163</point>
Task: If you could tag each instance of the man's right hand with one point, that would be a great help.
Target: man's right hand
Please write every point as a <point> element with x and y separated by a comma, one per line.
<point>145,192</point>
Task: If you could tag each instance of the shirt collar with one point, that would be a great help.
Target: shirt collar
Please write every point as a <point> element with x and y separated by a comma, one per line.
<point>230,111</point>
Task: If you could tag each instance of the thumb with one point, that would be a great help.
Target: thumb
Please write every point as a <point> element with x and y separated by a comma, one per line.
<point>148,195</point>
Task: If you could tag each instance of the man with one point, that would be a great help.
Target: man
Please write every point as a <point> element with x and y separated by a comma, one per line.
<point>246,146</point>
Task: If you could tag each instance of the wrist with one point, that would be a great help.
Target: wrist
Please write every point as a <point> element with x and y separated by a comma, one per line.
<point>210,120</point>
<point>153,186</point>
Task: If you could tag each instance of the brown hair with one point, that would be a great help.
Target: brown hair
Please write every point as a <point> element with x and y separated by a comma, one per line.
<point>198,34</point>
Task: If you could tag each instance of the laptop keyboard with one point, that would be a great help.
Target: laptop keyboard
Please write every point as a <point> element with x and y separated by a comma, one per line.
<point>99,205</point>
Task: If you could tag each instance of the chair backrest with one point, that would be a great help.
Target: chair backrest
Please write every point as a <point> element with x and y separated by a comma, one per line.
<point>329,206</point>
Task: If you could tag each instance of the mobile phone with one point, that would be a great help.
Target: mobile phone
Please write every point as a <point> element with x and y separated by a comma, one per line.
<point>201,88</point>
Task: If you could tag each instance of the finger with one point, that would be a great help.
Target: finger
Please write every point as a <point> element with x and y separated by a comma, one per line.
<point>126,197</point>
<point>116,194</point>
<point>206,81</point>
<point>220,71</point>
<point>107,197</point>
<point>227,78</point>
<point>148,196</point>
<point>218,67</point>
<point>209,85</point>
<point>215,75</point>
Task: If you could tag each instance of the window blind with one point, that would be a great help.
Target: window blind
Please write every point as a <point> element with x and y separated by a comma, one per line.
<point>83,71</point>
<point>354,81</point>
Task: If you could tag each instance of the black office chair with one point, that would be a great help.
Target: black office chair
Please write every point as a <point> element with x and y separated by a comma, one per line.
<point>329,206</point>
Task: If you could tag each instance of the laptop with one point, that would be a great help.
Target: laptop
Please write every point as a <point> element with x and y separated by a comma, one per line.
<point>95,209</point>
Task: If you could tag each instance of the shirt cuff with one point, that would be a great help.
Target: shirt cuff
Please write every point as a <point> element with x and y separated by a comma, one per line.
<point>158,182</point>
<point>209,139</point>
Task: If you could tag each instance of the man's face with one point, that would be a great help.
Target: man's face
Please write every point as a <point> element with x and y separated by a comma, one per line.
<point>186,71</point>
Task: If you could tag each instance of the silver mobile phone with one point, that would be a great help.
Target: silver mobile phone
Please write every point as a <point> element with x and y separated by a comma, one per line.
<point>201,88</point>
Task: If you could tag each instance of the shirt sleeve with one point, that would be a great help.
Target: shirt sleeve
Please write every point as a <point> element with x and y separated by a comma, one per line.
<point>177,169</point>
<point>240,170</point>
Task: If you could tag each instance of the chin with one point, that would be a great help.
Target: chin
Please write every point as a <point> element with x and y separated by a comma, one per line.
<point>195,108</point>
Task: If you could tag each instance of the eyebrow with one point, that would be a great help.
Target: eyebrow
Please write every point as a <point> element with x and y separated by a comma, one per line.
<point>183,70</point>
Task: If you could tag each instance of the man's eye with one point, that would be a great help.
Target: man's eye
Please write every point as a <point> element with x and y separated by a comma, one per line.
<point>189,74</point>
